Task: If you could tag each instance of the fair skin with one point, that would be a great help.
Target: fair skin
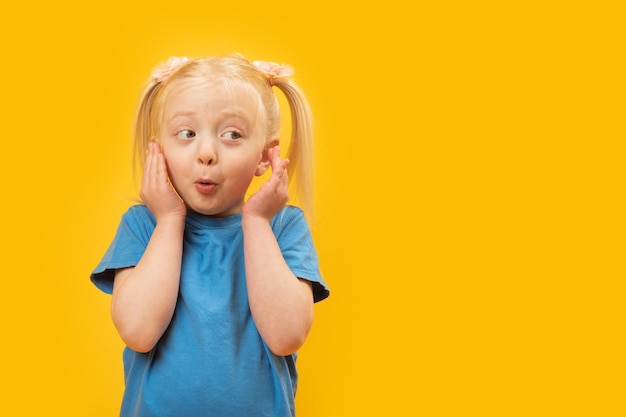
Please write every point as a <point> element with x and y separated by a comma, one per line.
<point>204,159</point>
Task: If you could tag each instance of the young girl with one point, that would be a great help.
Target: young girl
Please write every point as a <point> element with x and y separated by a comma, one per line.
<point>212,293</point>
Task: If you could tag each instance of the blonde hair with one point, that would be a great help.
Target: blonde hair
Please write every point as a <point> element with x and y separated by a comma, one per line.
<point>230,70</point>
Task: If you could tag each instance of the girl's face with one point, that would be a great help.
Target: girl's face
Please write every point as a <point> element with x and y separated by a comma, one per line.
<point>213,146</point>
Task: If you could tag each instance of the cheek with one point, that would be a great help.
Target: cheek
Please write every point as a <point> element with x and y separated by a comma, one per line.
<point>244,171</point>
<point>174,165</point>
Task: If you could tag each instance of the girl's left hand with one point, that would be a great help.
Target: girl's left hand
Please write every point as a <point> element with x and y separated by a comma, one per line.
<point>272,195</point>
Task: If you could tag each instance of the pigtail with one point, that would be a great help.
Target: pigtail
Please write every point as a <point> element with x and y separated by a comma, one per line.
<point>300,153</point>
<point>143,129</point>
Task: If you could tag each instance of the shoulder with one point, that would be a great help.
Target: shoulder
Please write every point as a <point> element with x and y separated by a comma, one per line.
<point>288,217</point>
<point>139,213</point>
<point>138,217</point>
<point>290,226</point>
<point>138,210</point>
<point>288,214</point>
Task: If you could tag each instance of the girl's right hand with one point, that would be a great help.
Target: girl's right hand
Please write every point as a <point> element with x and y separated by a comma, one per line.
<point>157,191</point>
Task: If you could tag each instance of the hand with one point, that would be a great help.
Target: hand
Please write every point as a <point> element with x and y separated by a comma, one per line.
<point>272,195</point>
<point>156,190</point>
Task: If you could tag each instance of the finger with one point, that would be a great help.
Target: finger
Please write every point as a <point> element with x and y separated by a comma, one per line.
<point>147,169</point>
<point>276,163</point>
<point>281,172</point>
<point>274,156</point>
<point>284,177</point>
<point>161,167</point>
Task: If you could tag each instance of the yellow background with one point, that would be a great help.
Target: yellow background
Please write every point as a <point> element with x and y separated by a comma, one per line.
<point>470,197</point>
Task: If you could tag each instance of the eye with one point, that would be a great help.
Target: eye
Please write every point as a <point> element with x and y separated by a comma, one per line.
<point>232,135</point>
<point>186,134</point>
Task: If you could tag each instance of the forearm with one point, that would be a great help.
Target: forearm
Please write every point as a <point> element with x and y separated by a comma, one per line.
<point>144,297</point>
<point>281,304</point>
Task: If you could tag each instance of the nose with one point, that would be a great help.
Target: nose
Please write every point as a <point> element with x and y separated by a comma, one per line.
<point>206,151</point>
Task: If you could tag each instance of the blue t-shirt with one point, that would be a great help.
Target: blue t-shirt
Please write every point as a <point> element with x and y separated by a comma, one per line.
<point>211,361</point>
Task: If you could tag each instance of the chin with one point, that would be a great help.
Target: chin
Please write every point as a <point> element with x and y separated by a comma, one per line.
<point>214,212</point>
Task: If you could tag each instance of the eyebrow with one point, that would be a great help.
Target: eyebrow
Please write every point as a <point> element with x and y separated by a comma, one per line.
<point>239,113</point>
<point>182,114</point>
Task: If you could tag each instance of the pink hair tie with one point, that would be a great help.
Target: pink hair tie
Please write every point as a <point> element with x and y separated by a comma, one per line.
<point>273,70</point>
<point>164,70</point>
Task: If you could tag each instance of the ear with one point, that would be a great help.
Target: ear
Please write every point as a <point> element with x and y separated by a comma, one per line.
<point>264,163</point>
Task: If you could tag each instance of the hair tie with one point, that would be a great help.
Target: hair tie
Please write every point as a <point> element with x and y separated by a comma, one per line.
<point>165,70</point>
<point>273,70</point>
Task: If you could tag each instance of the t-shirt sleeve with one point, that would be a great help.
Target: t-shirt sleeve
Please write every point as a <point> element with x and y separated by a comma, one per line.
<point>127,247</point>
<point>296,243</point>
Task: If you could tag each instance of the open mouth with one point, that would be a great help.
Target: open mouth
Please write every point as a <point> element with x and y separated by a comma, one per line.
<point>205,187</point>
